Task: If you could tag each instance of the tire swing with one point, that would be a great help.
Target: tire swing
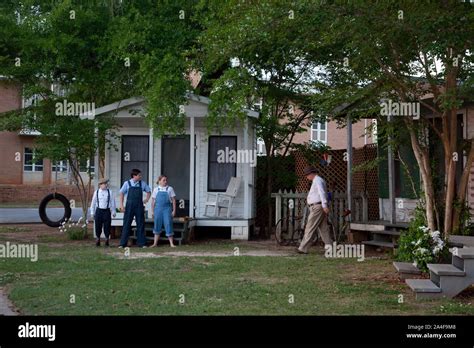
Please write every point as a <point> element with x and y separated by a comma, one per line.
<point>44,203</point>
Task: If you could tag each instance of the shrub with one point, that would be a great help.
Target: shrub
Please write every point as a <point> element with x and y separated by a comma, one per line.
<point>74,230</point>
<point>420,245</point>
<point>76,233</point>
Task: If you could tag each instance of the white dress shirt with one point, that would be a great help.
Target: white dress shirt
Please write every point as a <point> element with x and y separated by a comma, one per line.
<point>168,189</point>
<point>101,203</point>
<point>317,193</point>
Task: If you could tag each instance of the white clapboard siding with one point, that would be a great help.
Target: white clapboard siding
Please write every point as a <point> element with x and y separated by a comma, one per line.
<point>201,174</point>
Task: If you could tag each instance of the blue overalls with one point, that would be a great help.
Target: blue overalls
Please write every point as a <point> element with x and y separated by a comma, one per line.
<point>162,212</point>
<point>134,208</point>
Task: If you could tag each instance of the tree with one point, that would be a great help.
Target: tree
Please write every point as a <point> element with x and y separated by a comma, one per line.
<point>94,53</point>
<point>257,53</point>
<point>410,51</point>
<point>43,46</point>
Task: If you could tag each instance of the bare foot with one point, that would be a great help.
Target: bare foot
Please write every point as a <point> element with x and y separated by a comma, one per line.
<point>153,246</point>
<point>173,246</point>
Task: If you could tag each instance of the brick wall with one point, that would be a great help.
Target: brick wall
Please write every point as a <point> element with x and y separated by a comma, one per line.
<point>11,170</point>
<point>10,96</point>
<point>337,137</point>
<point>35,193</point>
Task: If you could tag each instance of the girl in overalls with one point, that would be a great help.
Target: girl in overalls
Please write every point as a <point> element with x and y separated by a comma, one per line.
<point>163,207</point>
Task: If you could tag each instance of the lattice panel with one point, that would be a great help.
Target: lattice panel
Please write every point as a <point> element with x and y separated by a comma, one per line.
<point>335,175</point>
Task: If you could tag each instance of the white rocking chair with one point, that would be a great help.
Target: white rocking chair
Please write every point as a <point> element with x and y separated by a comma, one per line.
<point>223,200</point>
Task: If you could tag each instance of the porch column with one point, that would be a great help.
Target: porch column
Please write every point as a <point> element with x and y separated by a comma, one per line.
<point>96,176</point>
<point>391,178</point>
<point>349,166</point>
<point>151,156</point>
<point>246,171</point>
<point>191,166</point>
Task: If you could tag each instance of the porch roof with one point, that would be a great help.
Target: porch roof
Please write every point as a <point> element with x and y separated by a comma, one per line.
<point>138,100</point>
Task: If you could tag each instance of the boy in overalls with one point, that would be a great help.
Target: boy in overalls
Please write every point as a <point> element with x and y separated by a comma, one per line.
<point>135,207</point>
<point>162,199</point>
<point>102,207</point>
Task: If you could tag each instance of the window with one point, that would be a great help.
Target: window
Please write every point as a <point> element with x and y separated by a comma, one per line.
<point>30,163</point>
<point>84,165</point>
<point>60,166</point>
<point>220,169</point>
<point>261,150</point>
<point>319,132</point>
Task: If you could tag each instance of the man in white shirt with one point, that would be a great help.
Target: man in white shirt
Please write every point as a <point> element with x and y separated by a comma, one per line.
<point>318,211</point>
<point>102,207</point>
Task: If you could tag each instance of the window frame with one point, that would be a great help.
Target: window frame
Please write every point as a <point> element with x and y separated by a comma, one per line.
<point>34,165</point>
<point>318,130</point>
<point>209,189</point>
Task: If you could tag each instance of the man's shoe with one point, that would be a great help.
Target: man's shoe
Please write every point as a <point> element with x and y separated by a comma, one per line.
<point>97,243</point>
<point>107,243</point>
<point>120,247</point>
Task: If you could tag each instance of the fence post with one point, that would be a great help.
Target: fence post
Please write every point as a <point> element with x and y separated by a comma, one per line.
<point>365,208</point>
<point>278,207</point>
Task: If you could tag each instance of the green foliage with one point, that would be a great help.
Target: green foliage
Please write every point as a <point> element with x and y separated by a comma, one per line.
<point>76,233</point>
<point>419,245</point>
<point>466,227</point>
<point>312,151</point>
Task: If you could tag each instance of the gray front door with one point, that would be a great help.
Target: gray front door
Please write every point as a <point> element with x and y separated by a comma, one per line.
<point>175,164</point>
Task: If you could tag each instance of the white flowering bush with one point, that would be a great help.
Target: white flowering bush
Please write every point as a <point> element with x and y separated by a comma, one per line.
<point>421,246</point>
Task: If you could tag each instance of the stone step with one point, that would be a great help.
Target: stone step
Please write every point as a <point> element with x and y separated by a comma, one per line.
<point>445,270</point>
<point>423,286</point>
<point>379,243</point>
<point>406,267</point>
<point>460,241</point>
<point>463,253</point>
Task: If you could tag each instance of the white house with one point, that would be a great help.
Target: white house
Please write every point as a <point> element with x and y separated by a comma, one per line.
<point>191,162</point>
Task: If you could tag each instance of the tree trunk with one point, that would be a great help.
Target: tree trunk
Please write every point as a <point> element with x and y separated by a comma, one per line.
<point>462,189</point>
<point>450,193</point>
<point>427,179</point>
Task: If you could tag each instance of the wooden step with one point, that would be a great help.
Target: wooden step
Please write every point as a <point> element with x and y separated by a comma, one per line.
<point>392,233</point>
<point>445,270</point>
<point>463,253</point>
<point>423,286</point>
<point>379,243</point>
<point>406,267</point>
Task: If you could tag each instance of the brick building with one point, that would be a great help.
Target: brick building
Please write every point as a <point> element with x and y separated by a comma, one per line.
<point>19,168</point>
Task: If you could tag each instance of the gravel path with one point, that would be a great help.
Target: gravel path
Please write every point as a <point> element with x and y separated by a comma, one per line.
<point>5,304</point>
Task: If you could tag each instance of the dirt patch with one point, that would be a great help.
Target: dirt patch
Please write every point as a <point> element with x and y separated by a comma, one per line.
<point>145,255</point>
<point>6,307</point>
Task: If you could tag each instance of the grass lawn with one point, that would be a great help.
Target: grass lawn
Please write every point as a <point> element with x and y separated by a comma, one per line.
<point>105,283</point>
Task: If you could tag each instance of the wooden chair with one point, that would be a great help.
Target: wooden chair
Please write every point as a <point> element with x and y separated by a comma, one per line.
<point>223,200</point>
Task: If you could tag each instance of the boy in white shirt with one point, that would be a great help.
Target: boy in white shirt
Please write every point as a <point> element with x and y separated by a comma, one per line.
<point>102,208</point>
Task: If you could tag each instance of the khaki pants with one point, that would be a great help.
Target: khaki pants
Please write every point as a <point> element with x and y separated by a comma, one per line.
<point>317,218</point>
